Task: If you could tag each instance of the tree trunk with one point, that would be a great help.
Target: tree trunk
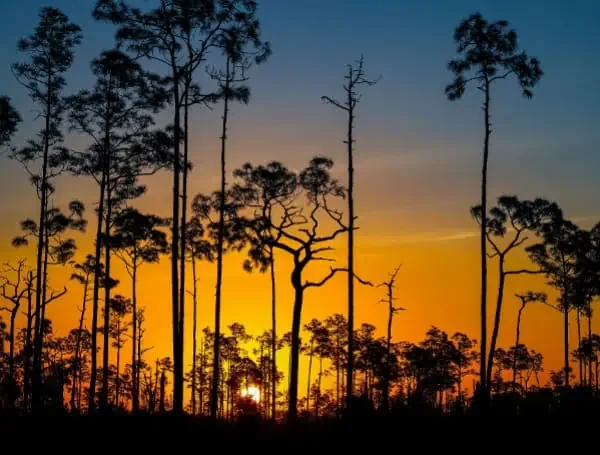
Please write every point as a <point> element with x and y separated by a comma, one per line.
<point>581,378</point>
<point>483,342</point>
<point>273,338</point>
<point>97,273</point>
<point>590,383</point>
<point>220,242</point>
<point>295,350</point>
<point>163,383</point>
<point>194,330</point>
<point>117,379</point>
<point>310,358</point>
<point>183,239</point>
<point>135,388</point>
<point>107,283</point>
<point>175,239</point>
<point>566,340</point>
<point>77,369</point>
<point>350,366</point>
<point>497,318</point>
<point>514,376</point>
<point>386,381</point>
<point>37,399</point>
<point>28,345</point>
<point>319,387</point>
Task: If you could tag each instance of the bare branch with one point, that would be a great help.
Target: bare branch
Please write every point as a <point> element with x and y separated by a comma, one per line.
<point>334,102</point>
<point>523,271</point>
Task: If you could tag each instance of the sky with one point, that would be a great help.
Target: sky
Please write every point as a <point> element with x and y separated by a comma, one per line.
<point>418,155</point>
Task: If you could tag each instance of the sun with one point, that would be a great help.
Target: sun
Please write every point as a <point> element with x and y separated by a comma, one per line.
<point>252,392</point>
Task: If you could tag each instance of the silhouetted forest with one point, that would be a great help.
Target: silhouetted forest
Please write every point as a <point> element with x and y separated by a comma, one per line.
<point>158,65</point>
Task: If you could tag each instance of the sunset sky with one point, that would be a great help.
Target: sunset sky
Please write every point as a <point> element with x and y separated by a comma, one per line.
<point>418,156</point>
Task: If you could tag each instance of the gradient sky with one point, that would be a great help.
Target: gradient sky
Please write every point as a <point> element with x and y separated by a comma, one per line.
<point>418,155</point>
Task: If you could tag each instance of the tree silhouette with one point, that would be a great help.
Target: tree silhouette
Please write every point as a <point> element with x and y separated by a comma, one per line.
<point>233,42</point>
<point>14,290</point>
<point>489,52</point>
<point>9,120</point>
<point>115,114</point>
<point>120,307</point>
<point>82,274</point>
<point>274,221</point>
<point>164,35</point>
<point>337,326</point>
<point>519,217</point>
<point>198,248</point>
<point>558,254</point>
<point>525,299</point>
<point>226,236</point>
<point>137,239</point>
<point>466,356</point>
<point>50,51</point>
<point>355,78</point>
<point>389,300</point>
<point>275,185</point>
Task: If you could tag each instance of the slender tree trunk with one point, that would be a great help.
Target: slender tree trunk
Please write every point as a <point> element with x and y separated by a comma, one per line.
<point>566,340</point>
<point>273,338</point>
<point>517,340</point>
<point>77,369</point>
<point>194,330</point>
<point>118,378</point>
<point>497,318</point>
<point>388,353</point>
<point>310,358</point>
<point>106,346</point>
<point>97,273</point>
<point>581,378</point>
<point>350,366</point>
<point>42,334</point>
<point>28,345</point>
<point>175,245</point>
<point>295,349</point>
<point>220,242</point>
<point>183,239</point>
<point>483,342</point>
<point>37,399</point>
<point>589,318</point>
<point>11,353</point>
<point>319,387</point>
<point>135,387</point>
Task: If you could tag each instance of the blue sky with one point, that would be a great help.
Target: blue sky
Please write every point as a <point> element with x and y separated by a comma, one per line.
<point>422,150</point>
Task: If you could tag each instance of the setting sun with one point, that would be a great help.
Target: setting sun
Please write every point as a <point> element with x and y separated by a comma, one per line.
<point>252,392</point>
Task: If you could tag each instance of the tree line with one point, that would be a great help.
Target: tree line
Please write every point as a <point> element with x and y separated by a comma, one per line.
<point>268,211</point>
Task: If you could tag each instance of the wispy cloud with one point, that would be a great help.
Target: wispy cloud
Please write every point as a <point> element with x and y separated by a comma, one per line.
<point>430,237</point>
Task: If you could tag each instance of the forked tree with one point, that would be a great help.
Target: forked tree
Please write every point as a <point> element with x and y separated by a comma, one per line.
<point>355,79</point>
<point>13,288</point>
<point>527,298</point>
<point>50,52</point>
<point>508,224</point>
<point>488,52</point>
<point>277,221</point>
<point>390,285</point>
<point>277,187</point>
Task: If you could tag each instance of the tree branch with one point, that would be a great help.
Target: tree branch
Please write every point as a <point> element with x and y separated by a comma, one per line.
<point>523,271</point>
